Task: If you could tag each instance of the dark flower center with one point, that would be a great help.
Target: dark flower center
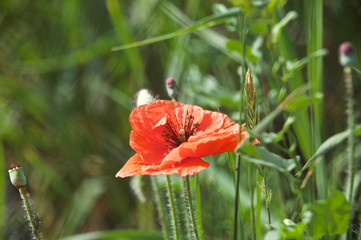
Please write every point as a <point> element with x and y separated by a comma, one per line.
<point>177,133</point>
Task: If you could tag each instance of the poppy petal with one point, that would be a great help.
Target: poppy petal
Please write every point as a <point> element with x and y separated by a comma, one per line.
<point>136,165</point>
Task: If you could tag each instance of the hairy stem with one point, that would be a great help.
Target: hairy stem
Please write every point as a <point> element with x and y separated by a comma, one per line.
<point>190,208</point>
<point>351,141</point>
<point>161,207</point>
<point>32,217</point>
<point>172,205</point>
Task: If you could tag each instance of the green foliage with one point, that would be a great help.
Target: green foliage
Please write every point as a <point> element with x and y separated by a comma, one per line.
<point>66,95</point>
<point>260,155</point>
<point>329,217</point>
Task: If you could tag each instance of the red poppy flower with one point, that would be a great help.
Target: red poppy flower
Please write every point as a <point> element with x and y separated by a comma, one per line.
<point>171,137</point>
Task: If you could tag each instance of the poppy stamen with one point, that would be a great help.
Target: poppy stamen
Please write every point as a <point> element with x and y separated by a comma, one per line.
<point>174,137</point>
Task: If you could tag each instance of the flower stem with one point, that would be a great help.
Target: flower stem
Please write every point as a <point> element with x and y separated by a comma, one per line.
<point>161,208</point>
<point>173,215</point>
<point>236,200</point>
<point>190,207</point>
<point>32,217</point>
<point>351,140</point>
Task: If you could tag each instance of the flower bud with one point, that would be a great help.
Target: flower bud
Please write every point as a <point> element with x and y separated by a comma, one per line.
<point>347,55</point>
<point>172,88</point>
<point>17,176</point>
<point>144,96</point>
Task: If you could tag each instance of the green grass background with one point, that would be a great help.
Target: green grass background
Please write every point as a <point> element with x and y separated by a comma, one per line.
<point>65,99</point>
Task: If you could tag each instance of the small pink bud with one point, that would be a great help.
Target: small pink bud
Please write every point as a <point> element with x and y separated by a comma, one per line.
<point>172,88</point>
<point>14,165</point>
<point>347,55</point>
<point>346,48</point>
<point>169,82</point>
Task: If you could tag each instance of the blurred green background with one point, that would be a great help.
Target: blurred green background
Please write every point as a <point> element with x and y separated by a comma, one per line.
<point>65,99</point>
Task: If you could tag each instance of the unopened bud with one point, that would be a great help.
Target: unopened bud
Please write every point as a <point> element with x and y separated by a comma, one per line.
<point>17,176</point>
<point>347,55</point>
<point>144,96</point>
<point>172,88</point>
<point>169,82</point>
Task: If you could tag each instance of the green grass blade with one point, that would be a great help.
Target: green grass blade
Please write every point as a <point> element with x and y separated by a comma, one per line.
<point>84,55</point>
<point>301,125</point>
<point>122,28</point>
<point>328,145</point>
<point>82,203</point>
<point>314,30</point>
<point>201,24</point>
<point>260,155</point>
<point>211,37</point>
<point>117,235</point>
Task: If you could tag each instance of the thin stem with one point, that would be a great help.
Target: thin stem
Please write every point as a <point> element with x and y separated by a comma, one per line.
<point>199,209</point>
<point>161,208</point>
<point>190,208</point>
<point>242,23</point>
<point>235,222</point>
<point>351,141</point>
<point>172,206</point>
<point>259,205</point>
<point>251,189</point>
<point>32,217</point>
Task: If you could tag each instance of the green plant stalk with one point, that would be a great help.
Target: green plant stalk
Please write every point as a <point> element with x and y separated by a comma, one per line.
<point>243,34</point>
<point>251,190</point>
<point>351,141</point>
<point>236,200</point>
<point>31,215</point>
<point>301,125</point>
<point>258,208</point>
<point>173,213</point>
<point>2,189</point>
<point>190,208</point>
<point>199,209</point>
<point>314,18</point>
<point>161,207</point>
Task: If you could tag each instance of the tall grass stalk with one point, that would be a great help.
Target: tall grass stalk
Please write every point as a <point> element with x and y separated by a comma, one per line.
<point>258,207</point>
<point>242,24</point>
<point>314,15</point>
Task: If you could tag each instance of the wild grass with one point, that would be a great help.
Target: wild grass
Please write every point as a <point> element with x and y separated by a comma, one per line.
<point>68,74</point>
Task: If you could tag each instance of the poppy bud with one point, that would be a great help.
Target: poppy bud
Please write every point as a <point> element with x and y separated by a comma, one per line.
<point>172,88</point>
<point>17,176</point>
<point>144,96</point>
<point>347,55</point>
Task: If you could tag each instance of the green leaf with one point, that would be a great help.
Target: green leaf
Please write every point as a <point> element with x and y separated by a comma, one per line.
<point>303,102</point>
<point>330,216</point>
<point>329,144</point>
<point>117,234</point>
<point>358,130</point>
<point>260,155</point>
<point>276,30</point>
<point>237,46</point>
<point>201,24</point>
